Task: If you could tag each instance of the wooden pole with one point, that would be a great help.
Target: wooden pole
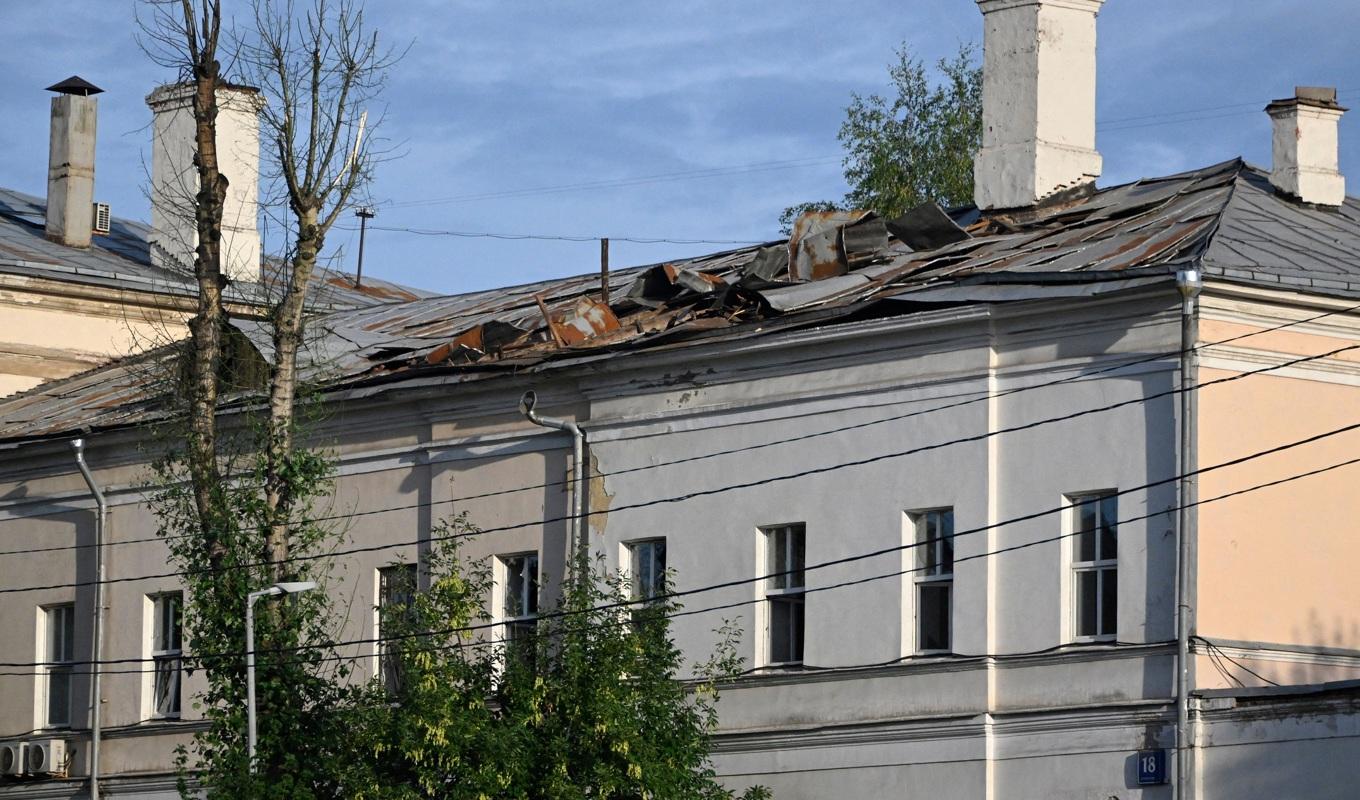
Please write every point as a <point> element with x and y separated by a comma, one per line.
<point>604,270</point>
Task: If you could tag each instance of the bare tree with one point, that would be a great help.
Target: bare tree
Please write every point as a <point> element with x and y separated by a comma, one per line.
<point>184,35</point>
<point>319,68</point>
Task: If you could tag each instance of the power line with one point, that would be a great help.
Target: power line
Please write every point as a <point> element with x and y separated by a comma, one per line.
<point>746,448</point>
<point>554,238</point>
<point>1255,105</point>
<point>1118,126</point>
<point>705,492</point>
<point>611,183</point>
<point>691,495</point>
<point>763,577</point>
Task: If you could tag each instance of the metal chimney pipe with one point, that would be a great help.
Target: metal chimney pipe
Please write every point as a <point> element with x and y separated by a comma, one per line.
<point>70,162</point>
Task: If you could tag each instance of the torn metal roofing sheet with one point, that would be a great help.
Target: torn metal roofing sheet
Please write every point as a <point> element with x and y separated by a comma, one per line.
<point>121,259</point>
<point>1225,218</point>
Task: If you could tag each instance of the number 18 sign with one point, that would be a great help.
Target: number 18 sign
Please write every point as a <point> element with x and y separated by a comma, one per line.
<point>1151,767</point>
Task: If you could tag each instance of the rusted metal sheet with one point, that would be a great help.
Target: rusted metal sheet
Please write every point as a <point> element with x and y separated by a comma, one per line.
<point>834,261</point>
<point>585,320</point>
<point>814,244</point>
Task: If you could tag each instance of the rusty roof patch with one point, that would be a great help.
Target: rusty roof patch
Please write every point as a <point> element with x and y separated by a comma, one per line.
<point>1226,218</point>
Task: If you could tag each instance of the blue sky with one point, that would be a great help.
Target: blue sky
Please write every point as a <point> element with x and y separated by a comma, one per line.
<point>499,99</point>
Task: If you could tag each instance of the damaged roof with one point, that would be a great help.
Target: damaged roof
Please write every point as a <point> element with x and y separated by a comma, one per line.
<point>1225,219</point>
<point>121,259</point>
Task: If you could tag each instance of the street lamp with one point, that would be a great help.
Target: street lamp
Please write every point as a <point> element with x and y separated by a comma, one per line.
<point>293,587</point>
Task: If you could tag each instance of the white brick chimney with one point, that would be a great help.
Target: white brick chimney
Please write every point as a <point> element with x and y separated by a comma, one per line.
<point>70,162</point>
<point>1307,150</point>
<point>174,179</point>
<point>1038,101</point>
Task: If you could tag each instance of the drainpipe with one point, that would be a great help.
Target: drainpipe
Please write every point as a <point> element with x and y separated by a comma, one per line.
<point>579,539</point>
<point>1189,282</point>
<point>96,699</point>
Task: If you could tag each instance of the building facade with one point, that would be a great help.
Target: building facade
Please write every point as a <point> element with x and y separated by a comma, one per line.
<point>947,473</point>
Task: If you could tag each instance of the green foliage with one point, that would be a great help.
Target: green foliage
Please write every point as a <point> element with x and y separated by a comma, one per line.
<point>917,146</point>
<point>301,695</point>
<point>591,705</point>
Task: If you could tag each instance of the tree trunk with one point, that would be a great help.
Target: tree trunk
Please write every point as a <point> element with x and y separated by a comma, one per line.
<point>207,326</point>
<point>288,331</point>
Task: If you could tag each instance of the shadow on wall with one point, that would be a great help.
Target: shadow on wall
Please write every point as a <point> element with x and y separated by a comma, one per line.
<point>1341,633</point>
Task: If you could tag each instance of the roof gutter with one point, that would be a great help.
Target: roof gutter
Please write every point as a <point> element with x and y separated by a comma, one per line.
<point>96,698</point>
<point>578,552</point>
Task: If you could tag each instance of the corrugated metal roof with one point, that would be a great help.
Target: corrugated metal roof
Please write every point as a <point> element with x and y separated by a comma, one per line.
<point>121,259</point>
<point>1225,218</point>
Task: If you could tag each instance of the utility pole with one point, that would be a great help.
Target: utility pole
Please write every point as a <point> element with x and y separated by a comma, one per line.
<point>364,213</point>
<point>604,270</point>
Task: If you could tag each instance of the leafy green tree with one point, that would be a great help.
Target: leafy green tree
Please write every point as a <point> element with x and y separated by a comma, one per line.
<point>302,696</point>
<point>592,705</point>
<point>916,146</point>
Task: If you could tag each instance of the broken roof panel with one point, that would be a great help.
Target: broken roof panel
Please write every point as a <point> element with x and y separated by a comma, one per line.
<point>1226,218</point>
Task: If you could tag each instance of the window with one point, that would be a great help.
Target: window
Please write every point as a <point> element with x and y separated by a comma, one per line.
<point>934,580</point>
<point>784,551</point>
<point>396,596</point>
<point>519,605</point>
<point>648,568</point>
<point>60,633</point>
<point>167,646</point>
<point>1095,565</point>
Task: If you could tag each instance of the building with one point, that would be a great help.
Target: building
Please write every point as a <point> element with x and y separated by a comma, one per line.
<point>80,286</point>
<point>963,434</point>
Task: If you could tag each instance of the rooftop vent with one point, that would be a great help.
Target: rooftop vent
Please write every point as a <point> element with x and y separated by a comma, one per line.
<point>70,161</point>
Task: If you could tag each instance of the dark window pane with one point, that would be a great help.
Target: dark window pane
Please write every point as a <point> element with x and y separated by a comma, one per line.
<point>933,614</point>
<point>531,599</point>
<point>1086,526</point>
<point>776,561</point>
<point>1086,603</point>
<point>167,686</point>
<point>786,629</point>
<point>796,553</point>
<point>521,586</point>
<point>947,542</point>
<point>1109,602</point>
<point>59,696</point>
<point>1109,517</point>
<point>929,550</point>
<point>649,568</point>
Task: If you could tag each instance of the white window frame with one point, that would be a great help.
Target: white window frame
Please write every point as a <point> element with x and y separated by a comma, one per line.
<point>926,576</point>
<point>792,593</point>
<point>164,655</point>
<point>380,595</point>
<point>53,666</point>
<point>1103,565</point>
<point>634,552</point>
<point>529,601</point>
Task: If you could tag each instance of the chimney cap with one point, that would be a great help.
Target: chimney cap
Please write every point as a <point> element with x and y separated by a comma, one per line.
<point>75,85</point>
<point>1314,96</point>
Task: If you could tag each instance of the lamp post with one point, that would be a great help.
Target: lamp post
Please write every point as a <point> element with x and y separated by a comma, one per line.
<point>272,591</point>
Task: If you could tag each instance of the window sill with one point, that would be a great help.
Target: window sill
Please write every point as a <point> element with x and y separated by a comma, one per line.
<point>1080,640</point>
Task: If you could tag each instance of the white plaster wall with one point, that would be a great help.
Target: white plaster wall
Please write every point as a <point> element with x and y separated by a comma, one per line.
<point>1051,718</point>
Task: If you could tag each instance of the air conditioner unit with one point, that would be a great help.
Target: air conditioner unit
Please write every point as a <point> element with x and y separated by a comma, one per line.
<point>13,756</point>
<point>47,757</point>
<point>103,217</point>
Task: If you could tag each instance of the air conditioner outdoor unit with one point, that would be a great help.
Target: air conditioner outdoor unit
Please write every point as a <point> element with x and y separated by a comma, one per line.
<point>12,758</point>
<point>103,217</point>
<point>47,757</point>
